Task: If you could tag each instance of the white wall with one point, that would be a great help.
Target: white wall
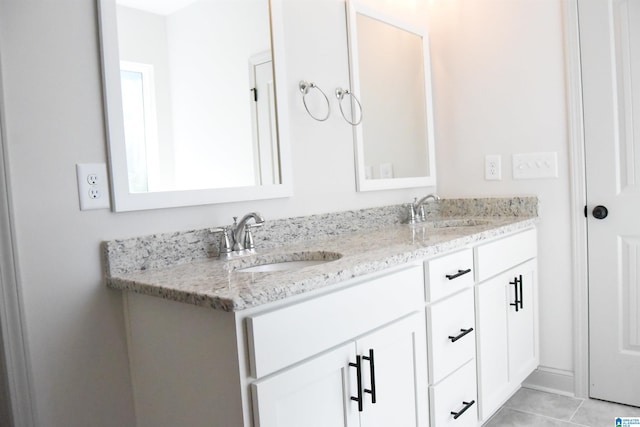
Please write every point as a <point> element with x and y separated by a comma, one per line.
<point>54,119</point>
<point>498,71</point>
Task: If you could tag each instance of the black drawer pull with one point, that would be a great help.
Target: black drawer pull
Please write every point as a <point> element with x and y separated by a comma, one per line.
<point>467,405</point>
<point>358,366</point>
<point>463,333</point>
<point>458,274</point>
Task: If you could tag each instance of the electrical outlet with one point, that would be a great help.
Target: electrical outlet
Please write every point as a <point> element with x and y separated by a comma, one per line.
<point>535,165</point>
<point>386,170</point>
<point>492,167</point>
<point>93,186</point>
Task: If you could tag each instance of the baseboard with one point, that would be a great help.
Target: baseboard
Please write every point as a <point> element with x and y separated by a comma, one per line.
<point>551,380</point>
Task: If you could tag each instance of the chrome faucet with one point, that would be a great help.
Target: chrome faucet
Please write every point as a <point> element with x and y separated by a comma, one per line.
<point>231,243</point>
<point>242,229</point>
<point>417,213</point>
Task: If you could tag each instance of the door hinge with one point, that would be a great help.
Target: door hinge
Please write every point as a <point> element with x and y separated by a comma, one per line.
<point>585,211</point>
<point>255,94</point>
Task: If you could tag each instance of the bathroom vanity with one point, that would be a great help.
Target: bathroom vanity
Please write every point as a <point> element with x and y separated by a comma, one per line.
<point>432,324</point>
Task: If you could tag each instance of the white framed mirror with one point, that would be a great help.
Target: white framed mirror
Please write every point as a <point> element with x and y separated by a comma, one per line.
<point>391,75</point>
<point>190,102</point>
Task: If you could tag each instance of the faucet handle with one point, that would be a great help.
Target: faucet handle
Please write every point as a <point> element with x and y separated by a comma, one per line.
<point>412,213</point>
<point>225,244</point>
<point>248,237</point>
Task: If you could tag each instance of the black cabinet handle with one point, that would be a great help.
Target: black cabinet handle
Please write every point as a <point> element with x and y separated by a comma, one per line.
<point>463,333</point>
<point>516,303</point>
<point>467,405</point>
<point>358,366</point>
<point>372,370</point>
<point>458,274</point>
<point>521,293</point>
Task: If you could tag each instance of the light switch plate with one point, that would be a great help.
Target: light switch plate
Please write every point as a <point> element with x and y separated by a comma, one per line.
<point>535,165</point>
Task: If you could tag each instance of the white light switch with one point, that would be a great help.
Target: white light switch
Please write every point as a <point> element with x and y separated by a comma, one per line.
<point>535,165</point>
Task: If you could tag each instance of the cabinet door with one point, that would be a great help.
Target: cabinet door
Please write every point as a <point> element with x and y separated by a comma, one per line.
<point>491,338</point>
<point>400,374</point>
<point>522,324</point>
<point>316,393</point>
<point>507,340</point>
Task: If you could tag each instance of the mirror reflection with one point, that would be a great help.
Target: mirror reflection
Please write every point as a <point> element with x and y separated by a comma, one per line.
<point>198,96</point>
<point>390,71</point>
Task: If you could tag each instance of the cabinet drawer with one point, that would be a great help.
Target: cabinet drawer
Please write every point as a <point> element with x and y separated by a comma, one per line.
<point>449,274</point>
<point>286,335</point>
<point>450,343</point>
<point>500,255</point>
<point>454,394</point>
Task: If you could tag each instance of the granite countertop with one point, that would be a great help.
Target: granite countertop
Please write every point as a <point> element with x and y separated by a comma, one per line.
<point>208,281</point>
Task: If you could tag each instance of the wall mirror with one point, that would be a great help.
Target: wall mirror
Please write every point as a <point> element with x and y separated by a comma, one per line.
<point>390,72</point>
<point>191,102</point>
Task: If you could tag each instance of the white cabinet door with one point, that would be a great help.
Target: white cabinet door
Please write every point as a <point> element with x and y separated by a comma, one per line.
<point>316,393</point>
<point>522,339</point>
<point>399,375</point>
<point>492,355</point>
<point>507,336</point>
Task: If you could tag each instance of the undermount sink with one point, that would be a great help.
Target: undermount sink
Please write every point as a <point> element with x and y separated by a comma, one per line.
<point>287,262</point>
<point>455,222</point>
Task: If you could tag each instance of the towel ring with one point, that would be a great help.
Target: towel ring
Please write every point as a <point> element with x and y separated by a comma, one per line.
<point>304,88</point>
<point>340,93</point>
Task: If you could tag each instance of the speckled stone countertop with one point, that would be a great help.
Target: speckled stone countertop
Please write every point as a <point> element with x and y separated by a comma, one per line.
<point>183,266</point>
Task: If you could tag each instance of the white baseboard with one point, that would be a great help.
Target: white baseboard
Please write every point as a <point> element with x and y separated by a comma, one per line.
<point>551,380</point>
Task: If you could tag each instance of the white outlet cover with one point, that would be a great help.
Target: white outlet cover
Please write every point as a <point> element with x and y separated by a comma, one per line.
<point>386,170</point>
<point>87,192</point>
<point>493,167</point>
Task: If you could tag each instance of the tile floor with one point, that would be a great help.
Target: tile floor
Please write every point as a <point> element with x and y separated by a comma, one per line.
<point>535,408</point>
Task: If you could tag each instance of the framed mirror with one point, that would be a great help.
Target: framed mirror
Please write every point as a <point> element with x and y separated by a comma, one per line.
<point>390,72</point>
<point>192,110</point>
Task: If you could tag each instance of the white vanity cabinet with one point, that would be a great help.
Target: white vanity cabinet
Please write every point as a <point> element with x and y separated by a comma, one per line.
<point>289,363</point>
<point>451,340</point>
<point>506,317</point>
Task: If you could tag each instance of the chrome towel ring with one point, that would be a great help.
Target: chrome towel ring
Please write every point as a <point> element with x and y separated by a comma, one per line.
<point>304,88</point>
<point>340,94</point>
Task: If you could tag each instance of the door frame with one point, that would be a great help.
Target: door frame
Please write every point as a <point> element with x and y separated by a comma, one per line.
<point>577,173</point>
<point>12,329</point>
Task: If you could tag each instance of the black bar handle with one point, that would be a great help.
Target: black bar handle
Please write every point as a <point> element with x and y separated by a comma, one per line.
<point>521,293</point>
<point>467,405</point>
<point>458,274</point>
<point>372,370</point>
<point>358,366</point>
<point>516,303</point>
<point>463,333</point>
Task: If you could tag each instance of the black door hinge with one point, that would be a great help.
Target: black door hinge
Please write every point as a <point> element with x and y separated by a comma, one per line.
<point>255,94</point>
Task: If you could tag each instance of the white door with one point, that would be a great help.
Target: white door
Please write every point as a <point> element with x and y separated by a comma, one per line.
<point>396,357</point>
<point>610,51</point>
<point>263,113</point>
<point>316,393</point>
